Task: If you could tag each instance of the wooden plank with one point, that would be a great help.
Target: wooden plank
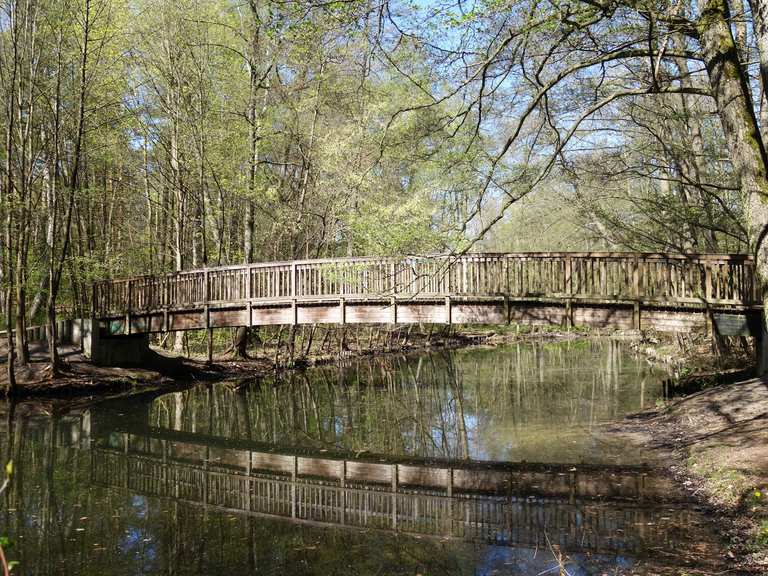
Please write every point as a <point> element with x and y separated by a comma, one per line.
<point>413,475</point>
<point>477,313</point>
<point>413,313</point>
<point>273,462</point>
<point>369,472</point>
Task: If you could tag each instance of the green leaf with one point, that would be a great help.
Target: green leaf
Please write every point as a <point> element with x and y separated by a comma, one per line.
<point>9,468</point>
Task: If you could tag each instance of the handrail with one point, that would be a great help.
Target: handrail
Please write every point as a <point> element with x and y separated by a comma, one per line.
<point>674,278</point>
<point>611,255</point>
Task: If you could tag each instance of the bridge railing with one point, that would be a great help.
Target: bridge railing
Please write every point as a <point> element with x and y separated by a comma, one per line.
<point>673,278</point>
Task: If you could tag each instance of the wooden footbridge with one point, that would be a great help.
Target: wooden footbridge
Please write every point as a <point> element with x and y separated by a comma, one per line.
<point>666,292</point>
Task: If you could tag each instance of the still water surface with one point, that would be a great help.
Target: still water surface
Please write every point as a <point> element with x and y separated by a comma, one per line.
<point>478,461</point>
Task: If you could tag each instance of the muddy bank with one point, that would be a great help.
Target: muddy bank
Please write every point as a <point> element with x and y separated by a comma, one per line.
<point>270,350</point>
<point>79,377</point>
<point>716,444</point>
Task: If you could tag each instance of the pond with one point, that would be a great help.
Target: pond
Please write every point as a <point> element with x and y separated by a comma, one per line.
<point>474,461</point>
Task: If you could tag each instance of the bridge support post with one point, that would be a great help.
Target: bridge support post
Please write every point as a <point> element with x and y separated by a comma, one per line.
<point>393,311</point>
<point>636,315</point>
<point>448,310</point>
<point>568,314</point>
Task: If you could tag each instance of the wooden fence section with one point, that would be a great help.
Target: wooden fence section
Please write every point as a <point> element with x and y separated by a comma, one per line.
<point>703,281</point>
<point>502,519</point>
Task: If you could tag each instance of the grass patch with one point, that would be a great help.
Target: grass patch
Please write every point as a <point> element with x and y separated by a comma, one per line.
<point>725,485</point>
<point>761,538</point>
<point>735,490</point>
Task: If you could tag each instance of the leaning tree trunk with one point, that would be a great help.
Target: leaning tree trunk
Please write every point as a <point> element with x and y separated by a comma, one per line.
<point>731,92</point>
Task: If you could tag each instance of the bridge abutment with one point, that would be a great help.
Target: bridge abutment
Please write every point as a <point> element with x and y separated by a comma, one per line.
<point>103,350</point>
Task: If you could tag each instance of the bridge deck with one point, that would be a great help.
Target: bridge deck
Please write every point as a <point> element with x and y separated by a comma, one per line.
<point>624,290</point>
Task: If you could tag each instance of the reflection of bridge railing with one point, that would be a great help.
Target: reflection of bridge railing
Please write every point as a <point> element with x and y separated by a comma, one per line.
<point>570,481</point>
<point>502,519</point>
<point>597,277</point>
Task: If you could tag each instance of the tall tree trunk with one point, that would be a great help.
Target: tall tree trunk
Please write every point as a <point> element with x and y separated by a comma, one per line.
<point>9,200</point>
<point>74,185</point>
<point>731,92</point>
<point>179,197</point>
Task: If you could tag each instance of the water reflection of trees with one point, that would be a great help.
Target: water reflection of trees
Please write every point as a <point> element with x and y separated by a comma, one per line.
<point>470,403</point>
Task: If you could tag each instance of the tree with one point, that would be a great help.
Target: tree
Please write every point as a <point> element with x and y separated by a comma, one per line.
<point>546,76</point>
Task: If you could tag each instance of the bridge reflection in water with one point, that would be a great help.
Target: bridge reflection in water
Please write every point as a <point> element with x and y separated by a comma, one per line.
<point>274,477</point>
<point>527,509</point>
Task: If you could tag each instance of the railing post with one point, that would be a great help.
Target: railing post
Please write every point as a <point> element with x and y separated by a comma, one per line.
<point>636,292</point>
<point>206,297</point>
<point>505,268</point>
<point>93,300</point>
<point>294,479</point>
<point>636,277</point>
<point>127,327</point>
<point>394,474</point>
<point>708,297</point>
<point>343,486</point>
<point>166,300</point>
<point>293,279</point>
<point>249,293</point>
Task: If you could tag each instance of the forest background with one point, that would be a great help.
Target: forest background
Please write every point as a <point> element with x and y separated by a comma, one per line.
<point>148,136</point>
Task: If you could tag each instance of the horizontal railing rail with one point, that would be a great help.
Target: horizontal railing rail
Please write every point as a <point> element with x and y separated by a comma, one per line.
<point>717,279</point>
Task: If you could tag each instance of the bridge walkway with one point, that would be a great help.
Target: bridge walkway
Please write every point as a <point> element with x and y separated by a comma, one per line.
<point>666,292</point>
